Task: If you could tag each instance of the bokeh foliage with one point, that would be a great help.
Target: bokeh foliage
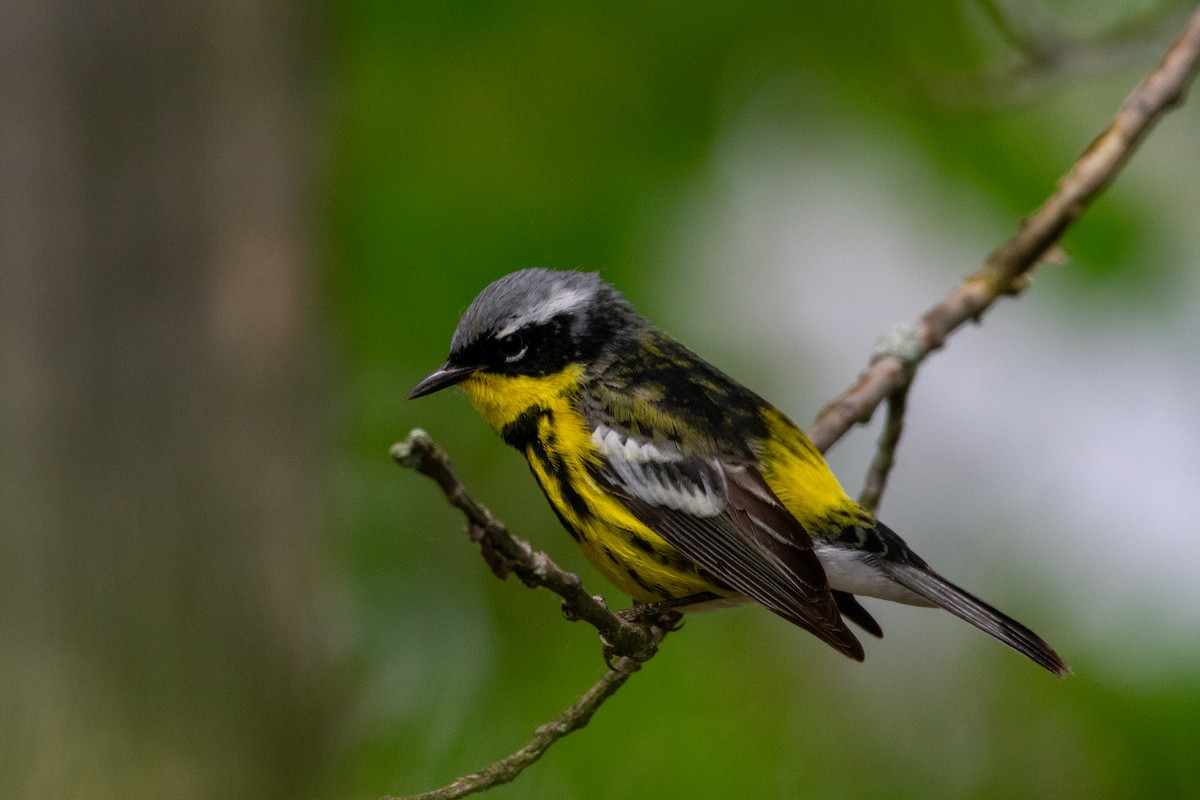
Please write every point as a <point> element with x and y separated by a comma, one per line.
<point>474,138</point>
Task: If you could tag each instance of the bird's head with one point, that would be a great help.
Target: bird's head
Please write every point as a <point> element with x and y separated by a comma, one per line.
<point>534,322</point>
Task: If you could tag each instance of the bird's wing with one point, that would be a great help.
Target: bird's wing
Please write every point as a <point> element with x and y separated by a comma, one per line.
<point>722,515</point>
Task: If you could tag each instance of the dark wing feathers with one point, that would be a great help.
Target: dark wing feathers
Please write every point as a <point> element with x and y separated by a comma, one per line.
<point>723,516</point>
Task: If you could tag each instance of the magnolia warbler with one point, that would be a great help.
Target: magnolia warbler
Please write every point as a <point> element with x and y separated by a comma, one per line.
<point>679,483</point>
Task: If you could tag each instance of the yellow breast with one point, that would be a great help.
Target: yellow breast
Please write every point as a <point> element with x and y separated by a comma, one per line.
<point>558,446</point>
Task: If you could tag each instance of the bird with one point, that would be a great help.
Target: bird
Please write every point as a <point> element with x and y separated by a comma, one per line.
<point>681,485</point>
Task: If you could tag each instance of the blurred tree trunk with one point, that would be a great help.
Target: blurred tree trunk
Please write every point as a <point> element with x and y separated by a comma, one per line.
<point>160,492</point>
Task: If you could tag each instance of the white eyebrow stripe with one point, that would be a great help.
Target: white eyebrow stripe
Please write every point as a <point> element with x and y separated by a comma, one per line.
<point>561,302</point>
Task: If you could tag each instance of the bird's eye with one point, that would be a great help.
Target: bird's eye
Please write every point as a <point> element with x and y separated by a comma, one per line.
<point>512,347</point>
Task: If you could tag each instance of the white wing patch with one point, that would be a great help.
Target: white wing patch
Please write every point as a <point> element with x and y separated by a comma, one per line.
<point>562,301</point>
<point>652,475</point>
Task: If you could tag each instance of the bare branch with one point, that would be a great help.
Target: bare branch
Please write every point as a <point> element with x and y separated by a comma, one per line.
<point>1041,47</point>
<point>506,553</point>
<point>1006,269</point>
<point>885,454</point>
<point>1048,56</point>
<point>574,718</point>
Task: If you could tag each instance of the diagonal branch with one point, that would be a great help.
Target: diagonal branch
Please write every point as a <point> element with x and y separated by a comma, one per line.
<point>569,721</point>
<point>506,553</point>
<point>1006,269</point>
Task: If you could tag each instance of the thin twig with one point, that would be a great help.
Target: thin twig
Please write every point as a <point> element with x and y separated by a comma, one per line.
<point>574,718</point>
<point>885,454</point>
<point>1048,56</point>
<point>1040,47</point>
<point>1006,270</point>
<point>506,553</point>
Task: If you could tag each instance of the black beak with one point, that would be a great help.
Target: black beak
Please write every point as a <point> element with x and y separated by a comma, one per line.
<point>445,375</point>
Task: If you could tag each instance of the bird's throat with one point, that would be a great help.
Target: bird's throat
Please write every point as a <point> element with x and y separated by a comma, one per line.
<point>504,399</point>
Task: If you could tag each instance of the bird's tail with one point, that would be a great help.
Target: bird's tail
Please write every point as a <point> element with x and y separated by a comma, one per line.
<point>921,579</point>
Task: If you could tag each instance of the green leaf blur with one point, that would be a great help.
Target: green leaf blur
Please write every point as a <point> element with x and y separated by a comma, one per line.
<point>471,139</point>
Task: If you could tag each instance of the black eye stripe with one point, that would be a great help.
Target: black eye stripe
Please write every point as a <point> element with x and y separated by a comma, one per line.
<point>542,336</point>
<point>532,350</point>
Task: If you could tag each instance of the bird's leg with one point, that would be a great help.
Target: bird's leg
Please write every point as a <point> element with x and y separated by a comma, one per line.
<point>666,614</point>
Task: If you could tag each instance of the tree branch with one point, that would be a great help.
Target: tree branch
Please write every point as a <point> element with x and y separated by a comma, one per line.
<point>574,718</point>
<point>1047,56</point>
<point>1007,268</point>
<point>885,454</point>
<point>506,553</point>
<point>1040,47</point>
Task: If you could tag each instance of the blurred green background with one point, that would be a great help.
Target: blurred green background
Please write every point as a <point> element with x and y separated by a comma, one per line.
<point>234,235</point>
